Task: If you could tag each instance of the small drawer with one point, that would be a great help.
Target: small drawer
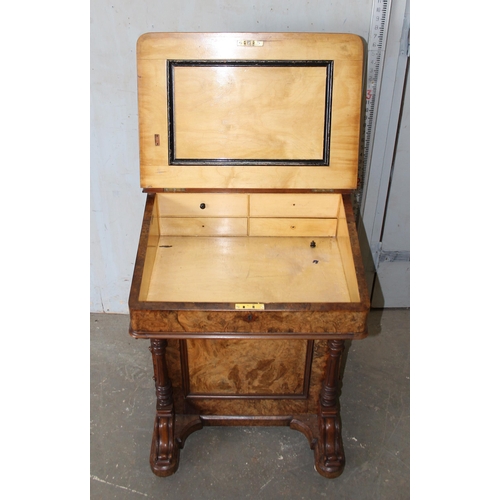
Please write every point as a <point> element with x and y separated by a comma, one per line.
<point>292,227</point>
<point>202,205</point>
<point>220,226</point>
<point>295,205</point>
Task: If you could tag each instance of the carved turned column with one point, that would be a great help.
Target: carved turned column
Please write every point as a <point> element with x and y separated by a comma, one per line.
<point>330,459</point>
<point>164,458</point>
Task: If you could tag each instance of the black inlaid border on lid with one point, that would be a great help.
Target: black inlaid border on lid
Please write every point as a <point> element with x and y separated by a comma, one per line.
<point>174,160</point>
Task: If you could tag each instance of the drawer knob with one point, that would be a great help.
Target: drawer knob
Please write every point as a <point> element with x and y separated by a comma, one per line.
<point>202,205</point>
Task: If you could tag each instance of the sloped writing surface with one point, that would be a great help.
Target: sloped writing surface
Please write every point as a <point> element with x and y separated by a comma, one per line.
<point>175,143</point>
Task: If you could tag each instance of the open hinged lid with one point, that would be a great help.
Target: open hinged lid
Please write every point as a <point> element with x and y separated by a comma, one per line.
<point>249,110</point>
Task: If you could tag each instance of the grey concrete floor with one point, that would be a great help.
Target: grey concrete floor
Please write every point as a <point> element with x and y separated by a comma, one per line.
<point>255,462</point>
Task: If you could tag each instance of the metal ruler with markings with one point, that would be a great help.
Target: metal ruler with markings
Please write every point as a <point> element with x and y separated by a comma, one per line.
<point>376,49</point>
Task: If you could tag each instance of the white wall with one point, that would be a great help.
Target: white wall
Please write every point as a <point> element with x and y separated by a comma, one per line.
<point>116,199</point>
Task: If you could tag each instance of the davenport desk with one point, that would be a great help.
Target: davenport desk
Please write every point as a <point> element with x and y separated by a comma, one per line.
<point>248,278</point>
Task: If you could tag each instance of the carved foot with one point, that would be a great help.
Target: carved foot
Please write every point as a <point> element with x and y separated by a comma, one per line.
<point>164,458</point>
<point>329,451</point>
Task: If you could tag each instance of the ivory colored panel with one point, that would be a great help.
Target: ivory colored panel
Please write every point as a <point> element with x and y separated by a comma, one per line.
<point>277,46</point>
<point>222,226</point>
<point>153,239</point>
<point>152,97</point>
<point>216,204</point>
<point>248,269</point>
<point>246,366</point>
<point>268,113</point>
<point>346,52</point>
<point>345,249</point>
<point>292,227</point>
<point>294,205</point>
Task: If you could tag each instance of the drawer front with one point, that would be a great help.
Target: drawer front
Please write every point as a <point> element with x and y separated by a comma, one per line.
<point>325,205</point>
<point>292,227</point>
<point>219,226</point>
<point>202,205</point>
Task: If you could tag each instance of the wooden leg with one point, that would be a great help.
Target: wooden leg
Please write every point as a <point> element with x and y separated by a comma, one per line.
<point>164,458</point>
<point>329,451</point>
<point>323,431</point>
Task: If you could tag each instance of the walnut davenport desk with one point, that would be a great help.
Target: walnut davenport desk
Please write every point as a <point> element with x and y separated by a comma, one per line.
<point>248,278</point>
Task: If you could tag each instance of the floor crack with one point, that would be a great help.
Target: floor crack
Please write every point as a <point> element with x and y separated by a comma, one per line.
<point>95,478</point>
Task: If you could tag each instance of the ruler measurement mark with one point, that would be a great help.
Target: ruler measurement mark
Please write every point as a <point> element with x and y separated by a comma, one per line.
<point>376,49</point>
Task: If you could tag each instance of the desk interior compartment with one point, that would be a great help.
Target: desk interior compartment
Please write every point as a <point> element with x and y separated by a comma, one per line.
<point>246,248</point>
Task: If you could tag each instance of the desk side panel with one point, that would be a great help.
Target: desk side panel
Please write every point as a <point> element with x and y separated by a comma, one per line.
<point>146,253</point>
<point>212,402</point>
